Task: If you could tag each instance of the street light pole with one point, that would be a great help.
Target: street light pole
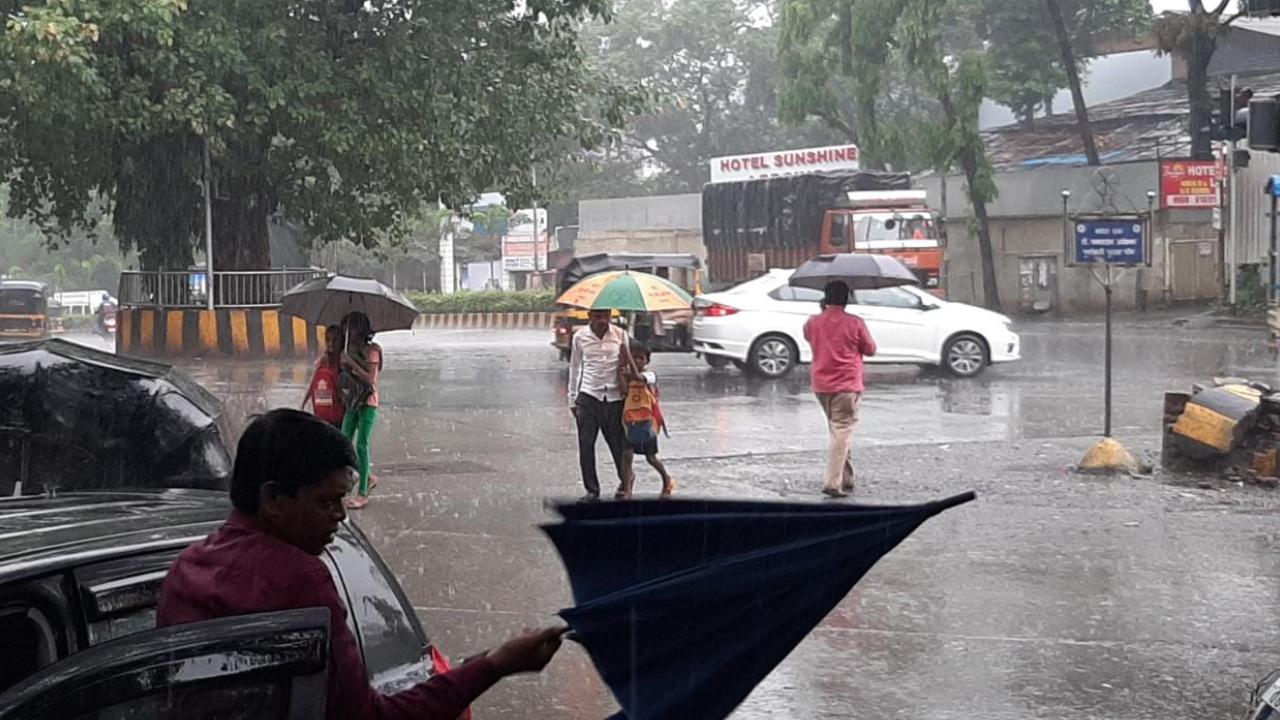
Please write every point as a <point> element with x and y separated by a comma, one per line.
<point>208,227</point>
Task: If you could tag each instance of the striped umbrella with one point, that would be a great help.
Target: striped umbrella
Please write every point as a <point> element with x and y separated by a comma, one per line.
<point>626,291</point>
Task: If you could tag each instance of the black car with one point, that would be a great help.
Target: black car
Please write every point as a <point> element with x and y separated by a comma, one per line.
<point>79,575</point>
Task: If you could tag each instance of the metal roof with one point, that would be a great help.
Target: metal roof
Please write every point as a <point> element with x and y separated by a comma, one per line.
<point>1146,126</point>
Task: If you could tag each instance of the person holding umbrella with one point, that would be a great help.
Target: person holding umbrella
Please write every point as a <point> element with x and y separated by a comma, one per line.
<point>597,355</point>
<point>363,306</point>
<point>839,341</point>
<point>361,362</point>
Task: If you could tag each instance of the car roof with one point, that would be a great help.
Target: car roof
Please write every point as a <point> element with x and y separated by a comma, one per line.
<point>22,285</point>
<point>42,533</point>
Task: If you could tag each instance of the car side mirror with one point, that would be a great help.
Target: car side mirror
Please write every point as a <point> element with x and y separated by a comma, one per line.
<point>927,306</point>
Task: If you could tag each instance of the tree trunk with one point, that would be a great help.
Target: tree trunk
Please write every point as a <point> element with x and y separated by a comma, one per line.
<point>242,203</point>
<point>1199,54</point>
<point>1073,80</point>
<point>990,289</point>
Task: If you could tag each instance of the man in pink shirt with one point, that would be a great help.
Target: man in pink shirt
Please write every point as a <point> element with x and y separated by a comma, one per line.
<point>291,474</point>
<point>839,341</point>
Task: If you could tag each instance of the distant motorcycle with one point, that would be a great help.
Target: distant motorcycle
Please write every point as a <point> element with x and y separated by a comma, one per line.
<point>106,324</point>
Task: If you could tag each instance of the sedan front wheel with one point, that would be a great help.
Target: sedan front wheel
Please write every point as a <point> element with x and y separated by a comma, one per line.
<point>965,355</point>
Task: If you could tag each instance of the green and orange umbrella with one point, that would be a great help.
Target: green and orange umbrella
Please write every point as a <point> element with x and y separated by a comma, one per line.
<point>626,291</point>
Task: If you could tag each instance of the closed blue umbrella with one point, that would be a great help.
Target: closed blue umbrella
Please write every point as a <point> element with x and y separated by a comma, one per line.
<point>686,605</point>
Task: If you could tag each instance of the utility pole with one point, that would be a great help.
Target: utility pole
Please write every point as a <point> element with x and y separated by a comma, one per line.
<point>208,227</point>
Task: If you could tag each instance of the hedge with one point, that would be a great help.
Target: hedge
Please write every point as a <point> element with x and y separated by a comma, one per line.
<point>486,301</point>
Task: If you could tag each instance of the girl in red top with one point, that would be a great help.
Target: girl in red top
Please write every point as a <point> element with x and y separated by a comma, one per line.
<point>326,401</point>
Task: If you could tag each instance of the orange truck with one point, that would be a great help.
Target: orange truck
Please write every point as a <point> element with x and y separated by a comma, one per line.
<point>752,225</point>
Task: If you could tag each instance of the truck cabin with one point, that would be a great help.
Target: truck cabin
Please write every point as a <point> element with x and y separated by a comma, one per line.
<point>24,310</point>
<point>897,222</point>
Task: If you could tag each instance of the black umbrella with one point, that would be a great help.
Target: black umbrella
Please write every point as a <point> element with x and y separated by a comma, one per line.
<point>859,271</point>
<point>685,605</point>
<point>75,418</point>
<point>326,301</point>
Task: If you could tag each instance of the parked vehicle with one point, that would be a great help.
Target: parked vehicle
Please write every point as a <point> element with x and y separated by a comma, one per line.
<point>759,326</point>
<point>24,310</point>
<point>782,221</point>
<point>1264,703</point>
<point>57,313</point>
<point>664,332</point>
<point>79,575</point>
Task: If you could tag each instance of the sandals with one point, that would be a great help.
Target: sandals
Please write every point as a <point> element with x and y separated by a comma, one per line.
<point>356,502</point>
<point>668,489</point>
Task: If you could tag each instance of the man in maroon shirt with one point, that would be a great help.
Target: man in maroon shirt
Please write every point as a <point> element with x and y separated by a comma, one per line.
<point>839,340</point>
<point>291,474</point>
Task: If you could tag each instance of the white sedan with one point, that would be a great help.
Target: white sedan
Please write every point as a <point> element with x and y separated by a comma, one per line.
<point>759,326</point>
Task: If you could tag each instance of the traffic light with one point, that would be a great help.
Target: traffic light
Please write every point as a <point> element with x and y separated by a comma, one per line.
<point>1264,124</point>
<point>1229,121</point>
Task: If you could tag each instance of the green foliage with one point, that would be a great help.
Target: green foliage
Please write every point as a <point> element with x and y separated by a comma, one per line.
<point>345,115</point>
<point>74,262</point>
<point>486,301</point>
<point>709,70</point>
<point>847,62</point>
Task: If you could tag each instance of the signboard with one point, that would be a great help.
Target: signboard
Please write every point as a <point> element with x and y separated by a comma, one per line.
<point>518,255</point>
<point>775,163</point>
<point>1117,240</point>
<point>1189,184</point>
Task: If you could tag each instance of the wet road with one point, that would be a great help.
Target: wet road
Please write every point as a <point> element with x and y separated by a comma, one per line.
<point>1052,596</point>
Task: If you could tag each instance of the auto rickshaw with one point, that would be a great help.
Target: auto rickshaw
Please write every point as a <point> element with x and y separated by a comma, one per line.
<point>24,310</point>
<point>663,332</point>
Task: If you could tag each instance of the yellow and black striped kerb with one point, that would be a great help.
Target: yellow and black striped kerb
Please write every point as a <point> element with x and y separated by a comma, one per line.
<point>232,332</point>
<point>504,320</point>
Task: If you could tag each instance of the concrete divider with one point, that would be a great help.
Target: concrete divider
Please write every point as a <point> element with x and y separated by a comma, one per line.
<point>228,332</point>
<point>264,332</point>
<point>502,320</point>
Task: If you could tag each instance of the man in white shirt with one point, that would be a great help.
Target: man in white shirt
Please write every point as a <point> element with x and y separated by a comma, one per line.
<point>595,397</point>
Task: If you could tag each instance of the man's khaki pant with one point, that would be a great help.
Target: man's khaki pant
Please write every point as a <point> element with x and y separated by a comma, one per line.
<point>841,410</point>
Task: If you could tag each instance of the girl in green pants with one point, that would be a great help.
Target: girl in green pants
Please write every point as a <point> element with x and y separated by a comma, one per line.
<point>363,359</point>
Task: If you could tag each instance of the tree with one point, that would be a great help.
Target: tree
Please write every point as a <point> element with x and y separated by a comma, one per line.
<point>1072,69</point>
<point>709,69</point>
<point>1194,35</point>
<point>344,115</point>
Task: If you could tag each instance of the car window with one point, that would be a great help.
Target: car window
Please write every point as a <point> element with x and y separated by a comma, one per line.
<point>264,666</point>
<point>220,702</point>
<point>796,294</point>
<point>29,643</point>
<point>120,596</point>
<point>888,297</point>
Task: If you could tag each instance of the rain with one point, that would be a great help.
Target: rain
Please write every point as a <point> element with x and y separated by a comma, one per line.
<point>1055,219</point>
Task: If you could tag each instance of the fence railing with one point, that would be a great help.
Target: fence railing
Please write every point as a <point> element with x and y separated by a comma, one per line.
<point>191,288</point>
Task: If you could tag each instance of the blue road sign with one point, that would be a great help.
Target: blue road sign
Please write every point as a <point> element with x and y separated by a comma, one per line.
<point>1119,241</point>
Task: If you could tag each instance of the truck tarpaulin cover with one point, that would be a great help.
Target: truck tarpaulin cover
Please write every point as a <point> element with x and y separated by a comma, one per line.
<point>755,215</point>
<point>74,418</point>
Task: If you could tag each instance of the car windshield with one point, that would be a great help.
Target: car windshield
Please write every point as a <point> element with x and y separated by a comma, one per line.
<point>21,301</point>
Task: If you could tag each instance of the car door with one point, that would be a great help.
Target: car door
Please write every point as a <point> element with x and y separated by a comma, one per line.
<point>790,308</point>
<point>898,322</point>
<point>252,667</point>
